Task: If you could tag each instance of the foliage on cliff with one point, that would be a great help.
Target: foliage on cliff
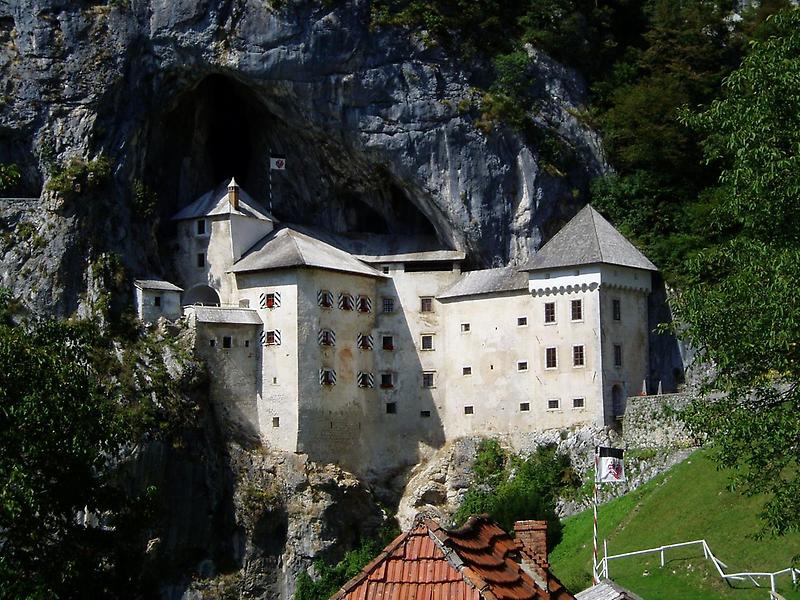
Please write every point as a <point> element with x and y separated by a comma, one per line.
<point>509,488</point>
<point>68,416</point>
<point>743,314</point>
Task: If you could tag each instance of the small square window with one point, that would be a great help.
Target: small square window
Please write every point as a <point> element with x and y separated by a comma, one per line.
<point>577,310</point>
<point>276,421</point>
<point>426,304</point>
<point>428,380</point>
<point>212,342</point>
<point>522,365</point>
<point>201,260</point>
<point>388,342</point>
<point>522,321</point>
<point>469,410</point>
<point>466,370</point>
<point>391,408</point>
<point>549,312</point>
<point>553,404</point>
<point>244,303</point>
<point>616,309</point>
<point>157,301</point>
<point>425,413</point>
<point>272,337</point>
<point>388,305</point>
<point>524,406</point>
<point>201,227</point>
<point>385,270</point>
<point>577,403</point>
<point>578,357</point>
<point>465,328</point>
<point>247,343</point>
<point>617,355</point>
<point>427,342</point>
<point>387,380</point>
<point>551,358</point>
<point>227,341</point>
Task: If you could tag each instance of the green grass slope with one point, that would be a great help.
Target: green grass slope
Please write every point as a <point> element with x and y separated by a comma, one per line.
<point>688,502</point>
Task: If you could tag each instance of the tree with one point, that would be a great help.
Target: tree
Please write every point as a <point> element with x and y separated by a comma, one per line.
<point>743,311</point>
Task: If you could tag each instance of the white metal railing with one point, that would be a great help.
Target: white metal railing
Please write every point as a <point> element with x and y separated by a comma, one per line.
<point>602,566</point>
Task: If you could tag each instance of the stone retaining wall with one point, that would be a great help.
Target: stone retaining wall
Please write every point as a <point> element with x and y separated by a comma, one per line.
<point>651,422</point>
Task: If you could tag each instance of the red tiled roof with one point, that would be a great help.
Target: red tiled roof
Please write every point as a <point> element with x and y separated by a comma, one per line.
<point>477,561</point>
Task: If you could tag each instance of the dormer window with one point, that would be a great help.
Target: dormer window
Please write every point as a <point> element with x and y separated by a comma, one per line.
<point>201,226</point>
<point>325,299</point>
<point>364,304</point>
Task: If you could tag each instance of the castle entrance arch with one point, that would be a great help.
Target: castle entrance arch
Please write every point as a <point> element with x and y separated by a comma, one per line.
<point>201,294</point>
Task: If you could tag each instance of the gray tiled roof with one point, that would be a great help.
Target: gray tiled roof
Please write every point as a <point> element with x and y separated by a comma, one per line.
<point>156,284</point>
<point>216,202</point>
<point>588,239</point>
<point>606,590</point>
<point>225,314</point>
<point>487,281</point>
<point>287,247</point>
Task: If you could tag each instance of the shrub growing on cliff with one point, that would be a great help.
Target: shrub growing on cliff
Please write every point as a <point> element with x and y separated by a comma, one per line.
<point>509,488</point>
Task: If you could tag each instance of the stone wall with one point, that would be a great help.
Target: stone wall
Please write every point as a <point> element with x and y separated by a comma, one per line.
<point>650,422</point>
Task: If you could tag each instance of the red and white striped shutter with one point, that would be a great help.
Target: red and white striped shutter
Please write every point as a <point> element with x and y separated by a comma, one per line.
<point>277,337</point>
<point>263,338</point>
<point>277,300</point>
<point>262,300</point>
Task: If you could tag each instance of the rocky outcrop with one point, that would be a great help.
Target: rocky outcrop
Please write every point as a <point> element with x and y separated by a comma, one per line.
<point>378,127</point>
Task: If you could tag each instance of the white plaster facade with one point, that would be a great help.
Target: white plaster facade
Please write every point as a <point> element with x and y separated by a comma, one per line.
<point>156,298</point>
<point>425,353</point>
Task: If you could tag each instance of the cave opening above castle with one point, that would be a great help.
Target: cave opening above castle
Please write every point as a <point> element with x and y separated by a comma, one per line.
<point>364,349</point>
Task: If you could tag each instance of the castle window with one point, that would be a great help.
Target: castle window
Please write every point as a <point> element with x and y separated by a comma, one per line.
<point>157,301</point>
<point>578,357</point>
<point>388,342</point>
<point>553,404</point>
<point>550,358</point>
<point>201,226</point>
<point>522,365</point>
<point>388,305</point>
<point>387,380</point>
<point>364,304</point>
<point>426,342</point>
<point>465,328</point>
<point>426,304</point>
<point>469,410</point>
<point>429,379</point>
<point>327,377</point>
<point>366,380</point>
<point>391,408</point>
<point>276,421</point>
<point>326,337</point>
<point>269,300</point>
<point>227,341</point>
<point>577,310</point>
<point>522,321</point>
<point>385,270</point>
<point>212,342</point>
<point>549,312</point>
<point>247,343</point>
<point>578,403</point>
<point>201,260</point>
<point>524,406</point>
<point>617,355</point>
<point>466,370</point>
<point>345,301</point>
<point>425,413</point>
<point>364,341</point>
<point>616,309</point>
<point>325,299</point>
<point>271,338</point>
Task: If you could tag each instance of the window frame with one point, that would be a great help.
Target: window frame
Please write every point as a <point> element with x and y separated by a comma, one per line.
<point>582,403</point>
<point>391,408</point>
<point>616,309</point>
<point>557,404</point>
<point>547,358</point>
<point>426,300</point>
<point>578,350</point>
<point>554,320</point>
<point>227,342</point>
<point>388,301</point>
<point>524,407</point>
<point>157,301</point>
<point>522,321</point>
<point>466,371</point>
<point>432,375</point>
<point>422,338</point>
<point>201,260</point>
<point>572,304</point>
<point>391,347</point>
<point>469,409</point>
<point>200,224</point>
<point>617,358</point>
<point>275,335</point>
<point>466,327</point>
<point>522,366</point>
<point>391,384</point>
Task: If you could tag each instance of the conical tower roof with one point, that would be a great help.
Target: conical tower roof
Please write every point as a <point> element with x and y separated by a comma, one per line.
<point>588,239</point>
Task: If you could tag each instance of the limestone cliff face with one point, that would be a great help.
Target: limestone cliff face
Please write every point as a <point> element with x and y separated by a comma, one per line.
<point>378,128</point>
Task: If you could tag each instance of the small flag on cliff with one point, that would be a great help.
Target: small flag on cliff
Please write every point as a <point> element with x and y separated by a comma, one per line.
<point>277,162</point>
<point>610,468</point>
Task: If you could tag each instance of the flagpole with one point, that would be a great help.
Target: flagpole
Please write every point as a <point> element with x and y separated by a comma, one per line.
<point>595,579</point>
<point>269,181</point>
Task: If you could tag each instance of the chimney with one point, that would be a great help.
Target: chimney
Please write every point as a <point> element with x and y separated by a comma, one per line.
<point>532,537</point>
<point>233,194</point>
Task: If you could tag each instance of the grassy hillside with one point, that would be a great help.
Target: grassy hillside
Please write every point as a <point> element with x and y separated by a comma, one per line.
<point>688,502</point>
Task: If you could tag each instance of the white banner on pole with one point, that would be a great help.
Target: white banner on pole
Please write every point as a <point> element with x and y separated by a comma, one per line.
<point>610,468</point>
<point>277,162</point>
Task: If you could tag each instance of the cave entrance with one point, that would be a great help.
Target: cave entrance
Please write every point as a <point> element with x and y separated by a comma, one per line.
<point>201,294</point>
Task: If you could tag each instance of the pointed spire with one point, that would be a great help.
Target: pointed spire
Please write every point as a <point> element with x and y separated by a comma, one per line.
<point>233,194</point>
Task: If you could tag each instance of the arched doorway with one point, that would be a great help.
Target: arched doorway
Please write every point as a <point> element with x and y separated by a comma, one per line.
<point>201,294</point>
<point>617,400</point>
